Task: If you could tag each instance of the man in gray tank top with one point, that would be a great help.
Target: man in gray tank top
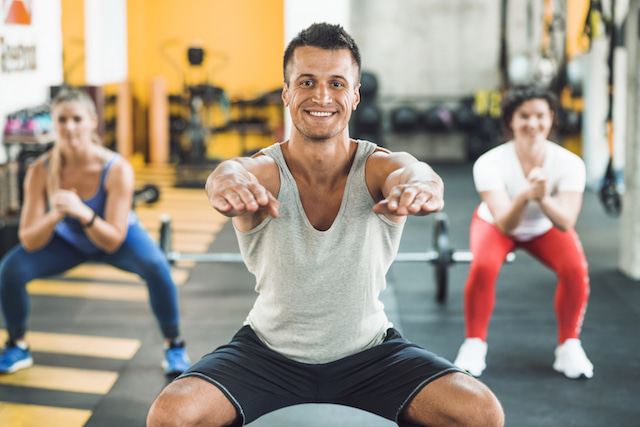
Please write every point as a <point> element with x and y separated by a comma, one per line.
<point>319,219</point>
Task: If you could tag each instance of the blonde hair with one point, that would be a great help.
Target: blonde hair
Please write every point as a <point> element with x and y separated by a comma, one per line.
<point>67,94</point>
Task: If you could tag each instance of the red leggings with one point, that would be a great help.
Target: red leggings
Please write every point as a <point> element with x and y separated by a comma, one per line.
<point>560,251</point>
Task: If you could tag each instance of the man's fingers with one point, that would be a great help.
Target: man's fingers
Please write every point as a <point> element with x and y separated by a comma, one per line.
<point>432,205</point>
<point>220,204</point>
<point>382,207</point>
<point>235,201</point>
<point>273,207</point>
<point>409,200</point>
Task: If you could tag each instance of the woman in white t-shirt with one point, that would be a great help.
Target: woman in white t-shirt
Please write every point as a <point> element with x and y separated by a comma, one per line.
<point>531,191</point>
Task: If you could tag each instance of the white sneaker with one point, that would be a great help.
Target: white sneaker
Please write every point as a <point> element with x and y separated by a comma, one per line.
<point>572,361</point>
<point>472,356</point>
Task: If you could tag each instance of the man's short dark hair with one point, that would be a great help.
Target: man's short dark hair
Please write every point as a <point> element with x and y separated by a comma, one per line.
<point>324,36</point>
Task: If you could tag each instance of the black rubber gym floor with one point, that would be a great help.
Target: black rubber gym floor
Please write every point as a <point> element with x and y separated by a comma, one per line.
<point>216,298</point>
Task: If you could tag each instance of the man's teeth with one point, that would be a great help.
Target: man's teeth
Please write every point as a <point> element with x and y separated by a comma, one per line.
<point>320,113</point>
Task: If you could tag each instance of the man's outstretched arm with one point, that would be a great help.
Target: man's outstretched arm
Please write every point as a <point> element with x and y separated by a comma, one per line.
<point>409,188</point>
<point>235,191</point>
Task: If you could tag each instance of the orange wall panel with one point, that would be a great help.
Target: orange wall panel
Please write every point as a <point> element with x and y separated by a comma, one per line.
<point>73,42</point>
<point>244,40</point>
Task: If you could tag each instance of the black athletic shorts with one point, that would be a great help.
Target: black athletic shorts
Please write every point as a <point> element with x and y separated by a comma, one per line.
<point>381,380</point>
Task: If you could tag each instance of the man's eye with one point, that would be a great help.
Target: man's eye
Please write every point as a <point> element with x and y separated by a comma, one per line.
<point>306,83</point>
<point>338,84</point>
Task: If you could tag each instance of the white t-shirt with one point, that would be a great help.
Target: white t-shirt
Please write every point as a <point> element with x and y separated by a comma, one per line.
<point>500,168</point>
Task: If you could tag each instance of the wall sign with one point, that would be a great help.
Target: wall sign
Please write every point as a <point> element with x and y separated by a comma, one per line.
<point>16,12</point>
<point>30,55</point>
<point>18,56</point>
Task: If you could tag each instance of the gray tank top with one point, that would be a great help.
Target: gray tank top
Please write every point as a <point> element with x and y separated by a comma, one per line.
<point>318,290</point>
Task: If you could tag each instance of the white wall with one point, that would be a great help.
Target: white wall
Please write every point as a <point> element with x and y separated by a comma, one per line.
<point>105,41</point>
<point>629,224</point>
<point>20,87</point>
<point>428,48</point>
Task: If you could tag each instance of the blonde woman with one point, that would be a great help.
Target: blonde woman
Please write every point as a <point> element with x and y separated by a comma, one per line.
<point>77,208</point>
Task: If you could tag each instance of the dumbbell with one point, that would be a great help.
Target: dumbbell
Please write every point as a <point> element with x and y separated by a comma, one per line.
<point>441,256</point>
<point>148,194</point>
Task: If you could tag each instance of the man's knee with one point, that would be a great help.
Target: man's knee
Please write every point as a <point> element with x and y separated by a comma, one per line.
<point>456,399</point>
<point>478,405</point>
<point>488,409</point>
<point>191,402</point>
<point>171,408</point>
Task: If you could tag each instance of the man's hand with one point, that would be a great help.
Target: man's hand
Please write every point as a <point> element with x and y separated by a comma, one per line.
<point>417,199</point>
<point>234,194</point>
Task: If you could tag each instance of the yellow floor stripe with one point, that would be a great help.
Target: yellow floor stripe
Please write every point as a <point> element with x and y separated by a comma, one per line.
<point>155,177</point>
<point>100,272</point>
<point>166,168</point>
<point>88,290</point>
<point>190,247</point>
<point>62,379</point>
<point>177,215</point>
<point>18,415</point>
<point>153,225</point>
<point>186,236</point>
<point>192,226</point>
<point>80,345</point>
<point>180,276</point>
<point>176,207</point>
<point>153,173</point>
<point>199,192</point>
<point>170,193</point>
<point>191,196</point>
<point>185,263</point>
<point>160,179</point>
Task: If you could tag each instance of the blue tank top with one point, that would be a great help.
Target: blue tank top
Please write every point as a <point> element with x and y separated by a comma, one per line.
<point>71,230</point>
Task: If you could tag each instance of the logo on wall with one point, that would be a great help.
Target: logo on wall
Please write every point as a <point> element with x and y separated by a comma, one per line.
<point>16,12</point>
<point>16,57</point>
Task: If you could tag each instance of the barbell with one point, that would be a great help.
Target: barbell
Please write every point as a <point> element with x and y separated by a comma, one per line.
<point>442,256</point>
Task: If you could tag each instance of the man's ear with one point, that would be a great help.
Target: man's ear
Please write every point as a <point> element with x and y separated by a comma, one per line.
<point>285,94</point>
<point>357,97</point>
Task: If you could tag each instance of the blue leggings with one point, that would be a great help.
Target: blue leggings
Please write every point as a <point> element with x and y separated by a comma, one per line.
<point>138,254</point>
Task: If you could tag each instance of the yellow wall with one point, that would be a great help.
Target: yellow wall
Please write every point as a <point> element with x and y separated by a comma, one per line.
<point>250,33</point>
<point>243,40</point>
<point>73,41</point>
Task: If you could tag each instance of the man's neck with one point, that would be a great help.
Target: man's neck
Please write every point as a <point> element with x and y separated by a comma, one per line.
<point>319,161</point>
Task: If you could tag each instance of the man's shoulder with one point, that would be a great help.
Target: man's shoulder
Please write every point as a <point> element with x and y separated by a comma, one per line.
<point>258,160</point>
<point>381,154</point>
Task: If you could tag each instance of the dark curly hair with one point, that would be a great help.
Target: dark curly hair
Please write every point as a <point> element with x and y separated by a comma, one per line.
<point>325,36</point>
<point>518,95</point>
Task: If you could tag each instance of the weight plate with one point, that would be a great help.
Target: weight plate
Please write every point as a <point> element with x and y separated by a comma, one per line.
<point>443,249</point>
<point>152,193</point>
